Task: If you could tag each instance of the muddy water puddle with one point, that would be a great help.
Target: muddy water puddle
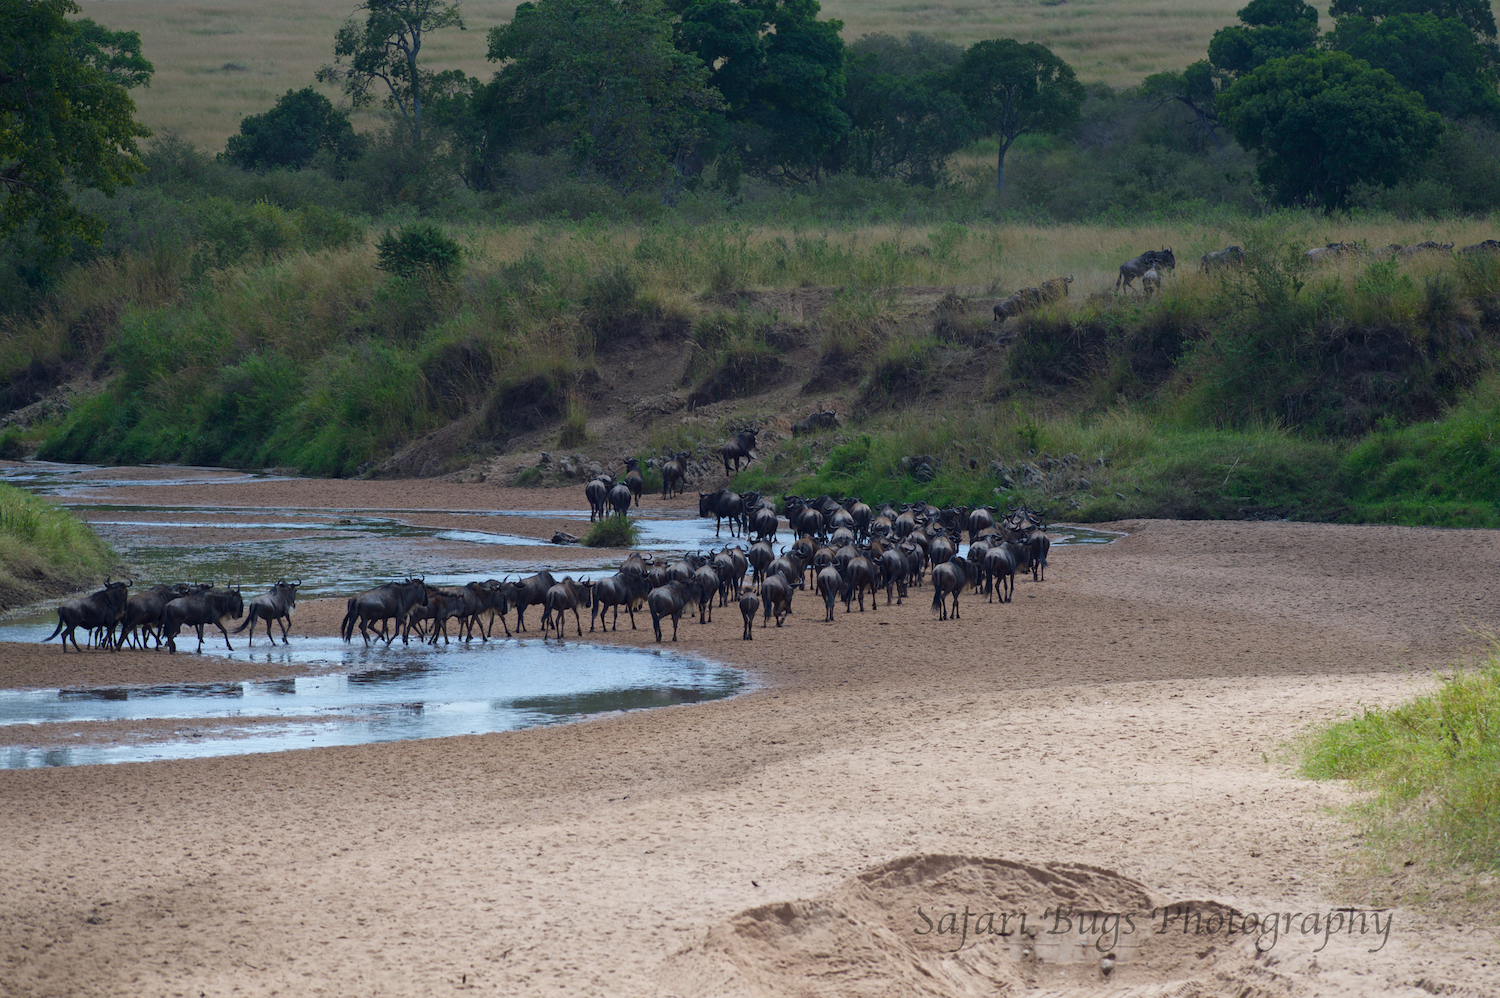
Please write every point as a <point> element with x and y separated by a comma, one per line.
<point>374,694</point>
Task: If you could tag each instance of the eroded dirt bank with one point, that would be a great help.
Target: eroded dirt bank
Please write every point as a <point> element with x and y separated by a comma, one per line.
<point>1111,737</point>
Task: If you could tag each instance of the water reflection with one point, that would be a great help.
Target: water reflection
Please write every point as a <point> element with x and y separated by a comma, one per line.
<point>381,695</point>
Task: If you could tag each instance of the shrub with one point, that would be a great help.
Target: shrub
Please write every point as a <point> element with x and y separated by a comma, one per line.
<point>302,124</point>
<point>419,251</point>
<point>612,532</point>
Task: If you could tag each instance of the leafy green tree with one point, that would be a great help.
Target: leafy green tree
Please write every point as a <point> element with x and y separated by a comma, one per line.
<point>1013,88</point>
<point>603,77</point>
<point>1476,15</point>
<point>1196,89</point>
<point>1270,29</point>
<point>904,122</point>
<point>384,50</point>
<point>302,124</point>
<point>66,118</point>
<point>781,73</point>
<point>1323,122</point>
<point>1438,57</point>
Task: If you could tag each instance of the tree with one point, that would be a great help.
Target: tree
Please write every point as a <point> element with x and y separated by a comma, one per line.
<point>302,124</point>
<point>1323,122</point>
<point>385,50</point>
<point>1196,89</point>
<point>66,118</point>
<point>1438,57</point>
<point>781,72</point>
<point>1270,29</point>
<point>1013,89</point>
<point>904,122</point>
<point>603,77</point>
<point>1476,15</point>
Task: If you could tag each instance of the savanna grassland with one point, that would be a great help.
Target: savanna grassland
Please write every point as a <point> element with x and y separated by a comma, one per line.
<point>220,60</point>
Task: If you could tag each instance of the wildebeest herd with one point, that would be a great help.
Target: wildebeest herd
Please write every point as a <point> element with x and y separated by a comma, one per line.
<point>113,616</point>
<point>841,549</point>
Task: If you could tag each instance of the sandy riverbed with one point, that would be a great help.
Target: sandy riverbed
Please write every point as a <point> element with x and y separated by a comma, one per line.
<point>1109,740</point>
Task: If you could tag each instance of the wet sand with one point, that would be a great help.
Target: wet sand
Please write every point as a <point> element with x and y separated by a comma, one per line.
<point>1130,714</point>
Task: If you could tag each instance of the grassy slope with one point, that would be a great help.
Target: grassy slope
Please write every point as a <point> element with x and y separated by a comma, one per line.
<point>45,550</point>
<point>219,60</point>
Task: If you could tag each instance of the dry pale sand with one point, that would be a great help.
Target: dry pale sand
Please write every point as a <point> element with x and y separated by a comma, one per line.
<point>1114,740</point>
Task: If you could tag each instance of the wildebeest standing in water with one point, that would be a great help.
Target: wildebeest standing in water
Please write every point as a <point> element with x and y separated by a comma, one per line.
<point>392,600</point>
<point>1133,268</point>
<point>100,609</point>
<point>198,610</point>
<point>275,604</point>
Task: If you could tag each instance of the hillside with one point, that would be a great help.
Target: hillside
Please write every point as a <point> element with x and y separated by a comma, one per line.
<point>1355,389</point>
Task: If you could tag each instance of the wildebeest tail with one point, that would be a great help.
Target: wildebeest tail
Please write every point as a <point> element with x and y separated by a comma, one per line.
<point>249,619</point>
<point>937,596</point>
<point>56,632</point>
<point>346,629</point>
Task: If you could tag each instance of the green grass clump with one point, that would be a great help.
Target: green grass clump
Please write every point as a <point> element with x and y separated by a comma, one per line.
<point>613,532</point>
<point>1433,766</point>
<point>44,549</point>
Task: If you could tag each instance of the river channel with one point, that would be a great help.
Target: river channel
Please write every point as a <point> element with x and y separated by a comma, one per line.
<point>356,694</point>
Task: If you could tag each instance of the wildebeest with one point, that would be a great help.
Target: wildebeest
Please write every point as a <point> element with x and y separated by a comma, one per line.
<point>708,582</point>
<point>1000,566</point>
<point>1229,256</point>
<point>619,498</point>
<point>1426,247</point>
<point>829,584</point>
<point>597,493</point>
<point>275,604</point>
<point>143,612</point>
<point>860,574</point>
<point>722,505</point>
<point>621,589</point>
<point>674,474</point>
<point>1028,299</point>
<point>669,601</point>
<point>392,600</point>
<point>1488,246</point>
<point>950,577</point>
<point>530,591</point>
<point>763,524</point>
<point>633,479</point>
<point>1136,266</point>
<point>776,597</point>
<point>101,609</point>
<point>562,597</point>
<point>737,448</point>
<point>760,557</point>
<point>749,603</point>
<point>199,609</point>
<point>1331,251</point>
<point>893,571</point>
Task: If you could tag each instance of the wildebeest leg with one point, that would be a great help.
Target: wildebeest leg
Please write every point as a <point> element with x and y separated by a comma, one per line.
<point>675,618</point>
<point>283,621</point>
<point>220,625</point>
<point>576,622</point>
<point>200,638</point>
